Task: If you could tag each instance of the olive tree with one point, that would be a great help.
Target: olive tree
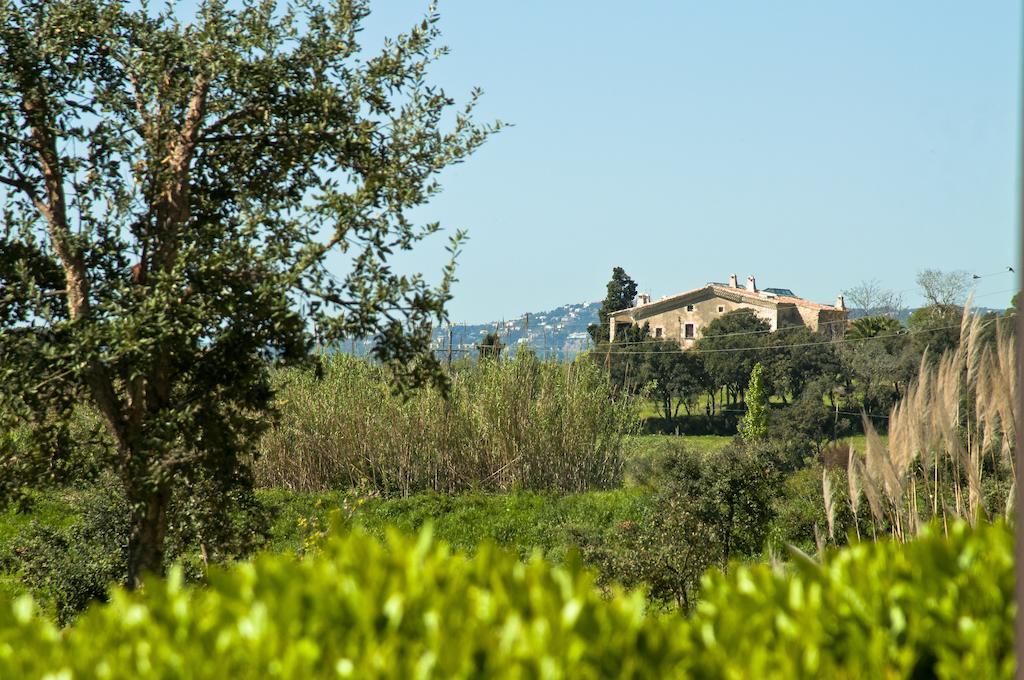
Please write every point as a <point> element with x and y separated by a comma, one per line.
<point>171,194</point>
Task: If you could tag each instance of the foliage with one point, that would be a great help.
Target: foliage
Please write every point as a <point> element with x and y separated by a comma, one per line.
<point>704,509</point>
<point>672,375</point>
<point>666,550</point>
<point>359,608</point>
<point>731,490</point>
<point>878,361</point>
<point>720,340</point>
<point>935,330</point>
<point>951,435</point>
<point>518,424</point>
<point>645,453</point>
<point>941,606</point>
<point>623,360</point>
<point>620,295</point>
<point>801,516</point>
<point>798,431</point>
<point>171,194</point>
<point>795,357</point>
<point>875,327</point>
<point>754,425</point>
<point>74,565</point>
<point>936,607</point>
<point>522,522</point>
<point>70,555</point>
<point>490,347</point>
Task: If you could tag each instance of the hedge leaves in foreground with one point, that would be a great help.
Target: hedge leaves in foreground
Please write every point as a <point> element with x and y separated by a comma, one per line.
<point>409,608</point>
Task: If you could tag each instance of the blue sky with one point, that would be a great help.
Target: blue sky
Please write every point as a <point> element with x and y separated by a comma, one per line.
<point>812,144</point>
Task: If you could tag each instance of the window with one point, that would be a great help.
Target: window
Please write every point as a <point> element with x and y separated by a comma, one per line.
<point>721,308</point>
<point>689,308</point>
<point>658,332</point>
<point>688,331</point>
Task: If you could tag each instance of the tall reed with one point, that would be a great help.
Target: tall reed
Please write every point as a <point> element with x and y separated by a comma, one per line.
<point>950,450</point>
<point>518,424</point>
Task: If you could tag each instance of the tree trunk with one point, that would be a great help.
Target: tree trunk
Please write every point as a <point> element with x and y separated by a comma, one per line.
<point>727,542</point>
<point>148,533</point>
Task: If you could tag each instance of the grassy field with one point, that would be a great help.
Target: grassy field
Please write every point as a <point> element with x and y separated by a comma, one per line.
<point>642,448</point>
<point>523,522</point>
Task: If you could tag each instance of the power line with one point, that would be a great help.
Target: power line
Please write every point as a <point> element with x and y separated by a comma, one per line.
<point>757,332</point>
<point>796,326</point>
<point>698,350</point>
<point>780,330</point>
<point>767,331</point>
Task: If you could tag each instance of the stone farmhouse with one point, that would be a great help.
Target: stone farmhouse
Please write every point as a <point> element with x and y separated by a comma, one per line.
<point>682,317</point>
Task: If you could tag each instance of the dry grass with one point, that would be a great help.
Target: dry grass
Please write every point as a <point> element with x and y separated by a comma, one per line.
<point>519,424</point>
<point>952,432</point>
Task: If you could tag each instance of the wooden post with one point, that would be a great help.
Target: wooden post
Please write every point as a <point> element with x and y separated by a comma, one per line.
<point>449,348</point>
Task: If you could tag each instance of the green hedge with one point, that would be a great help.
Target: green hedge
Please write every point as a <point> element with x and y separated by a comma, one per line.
<point>935,607</point>
<point>408,607</point>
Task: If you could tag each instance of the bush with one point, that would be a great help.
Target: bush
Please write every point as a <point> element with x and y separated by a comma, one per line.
<point>936,607</point>
<point>800,517</point>
<point>358,609</point>
<point>800,430</point>
<point>703,509</point>
<point>72,563</point>
<point>519,424</point>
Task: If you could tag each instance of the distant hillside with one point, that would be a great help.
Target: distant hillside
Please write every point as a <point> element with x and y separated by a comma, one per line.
<point>560,332</point>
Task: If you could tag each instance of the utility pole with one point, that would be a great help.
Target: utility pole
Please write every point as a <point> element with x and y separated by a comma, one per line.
<point>449,348</point>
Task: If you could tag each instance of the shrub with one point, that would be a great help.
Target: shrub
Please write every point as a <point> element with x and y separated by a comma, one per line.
<point>703,509</point>
<point>518,424</point>
<point>801,518</point>
<point>524,522</point>
<point>722,424</point>
<point>936,607</point>
<point>799,431</point>
<point>72,563</point>
<point>407,608</point>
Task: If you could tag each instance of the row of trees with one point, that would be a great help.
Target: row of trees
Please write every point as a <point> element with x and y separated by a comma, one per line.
<point>867,370</point>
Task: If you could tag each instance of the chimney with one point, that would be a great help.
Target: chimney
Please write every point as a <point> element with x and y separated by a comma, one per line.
<point>751,284</point>
<point>732,281</point>
<point>840,302</point>
<point>643,299</point>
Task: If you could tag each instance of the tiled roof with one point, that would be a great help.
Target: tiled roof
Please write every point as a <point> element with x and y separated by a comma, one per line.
<point>725,290</point>
<point>787,299</point>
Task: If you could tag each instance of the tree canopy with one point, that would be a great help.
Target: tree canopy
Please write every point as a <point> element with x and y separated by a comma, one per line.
<point>754,425</point>
<point>620,295</point>
<point>171,194</point>
<point>731,345</point>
